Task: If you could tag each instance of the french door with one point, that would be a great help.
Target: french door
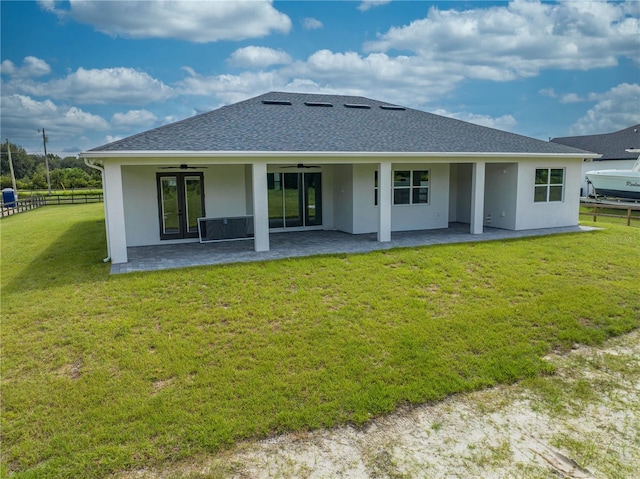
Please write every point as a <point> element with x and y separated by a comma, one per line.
<point>295,199</point>
<point>180,204</point>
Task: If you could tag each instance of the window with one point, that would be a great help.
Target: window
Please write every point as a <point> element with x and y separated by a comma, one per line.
<point>410,187</point>
<point>375,187</point>
<point>549,185</point>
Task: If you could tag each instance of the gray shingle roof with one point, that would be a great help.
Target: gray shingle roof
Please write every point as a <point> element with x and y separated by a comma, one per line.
<point>265,124</point>
<point>611,146</point>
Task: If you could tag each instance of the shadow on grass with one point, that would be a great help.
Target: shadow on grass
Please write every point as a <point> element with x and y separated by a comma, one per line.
<point>75,257</point>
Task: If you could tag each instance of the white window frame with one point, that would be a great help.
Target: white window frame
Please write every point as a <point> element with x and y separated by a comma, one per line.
<point>411,187</point>
<point>548,186</point>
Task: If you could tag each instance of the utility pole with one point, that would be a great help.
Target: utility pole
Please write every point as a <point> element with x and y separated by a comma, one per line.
<point>46,160</point>
<point>13,176</point>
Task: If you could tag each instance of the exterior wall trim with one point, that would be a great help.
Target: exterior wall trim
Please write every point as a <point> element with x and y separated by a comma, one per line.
<point>336,155</point>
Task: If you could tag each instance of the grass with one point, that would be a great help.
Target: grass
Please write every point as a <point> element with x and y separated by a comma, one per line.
<point>586,213</point>
<point>70,192</point>
<point>102,374</point>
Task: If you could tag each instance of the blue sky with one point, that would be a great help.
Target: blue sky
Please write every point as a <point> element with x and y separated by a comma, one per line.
<point>90,72</point>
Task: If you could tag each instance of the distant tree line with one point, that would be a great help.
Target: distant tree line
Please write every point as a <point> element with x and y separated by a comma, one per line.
<point>29,169</point>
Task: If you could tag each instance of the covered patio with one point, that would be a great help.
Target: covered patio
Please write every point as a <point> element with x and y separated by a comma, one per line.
<point>309,243</point>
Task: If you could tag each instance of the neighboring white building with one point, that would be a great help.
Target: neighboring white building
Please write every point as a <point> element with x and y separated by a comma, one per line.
<point>612,148</point>
<point>287,161</point>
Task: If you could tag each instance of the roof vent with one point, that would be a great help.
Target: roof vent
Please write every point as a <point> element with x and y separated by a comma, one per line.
<point>276,102</point>
<point>357,105</point>
<point>392,107</point>
<point>317,103</point>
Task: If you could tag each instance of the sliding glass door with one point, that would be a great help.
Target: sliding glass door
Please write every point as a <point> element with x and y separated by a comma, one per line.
<point>295,199</point>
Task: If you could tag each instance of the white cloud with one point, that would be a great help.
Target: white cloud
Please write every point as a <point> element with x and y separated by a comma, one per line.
<point>48,5</point>
<point>521,39</point>
<point>401,79</point>
<point>134,118</point>
<point>310,23</point>
<point>112,138</point>
<point>571,98</point>
<point>229,88</point>
<point>98,86</point>
<point>504,122</point>
<point>200,22</point>
<point>566,97</point>
<point>500,43</point>
<point>550,92</point>
<point>258,57</point>
<point>367,4</point>
<point>31,67</point>
<point>46,113</point>
<point>614,110</point>
<point>22,116</point>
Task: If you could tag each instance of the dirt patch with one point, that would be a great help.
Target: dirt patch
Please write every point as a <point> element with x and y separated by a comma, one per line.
<point>156,386</point>
<point>72,370</point>
<point>582,422</point>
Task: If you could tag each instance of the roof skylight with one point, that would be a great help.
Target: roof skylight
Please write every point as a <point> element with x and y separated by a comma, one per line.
<point>392,107</point>
<point>357,105</point>
<point>276,102</point>
<point>317,103</point>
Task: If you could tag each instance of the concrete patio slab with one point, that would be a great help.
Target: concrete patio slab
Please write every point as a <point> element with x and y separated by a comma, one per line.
<point>309,243</point>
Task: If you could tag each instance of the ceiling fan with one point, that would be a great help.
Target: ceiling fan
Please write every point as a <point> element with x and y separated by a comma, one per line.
<point>300,165</point>
<point>182,167</point>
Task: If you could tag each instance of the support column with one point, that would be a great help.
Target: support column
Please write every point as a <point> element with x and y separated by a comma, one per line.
<point>114,211</point>
<point>384,202</point>
<point>477,198</point>
<point>260,207</point>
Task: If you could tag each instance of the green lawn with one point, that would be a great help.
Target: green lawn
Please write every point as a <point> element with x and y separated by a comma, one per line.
<point>586,214</point>
<point>22,194</point>
<point>102,374</point>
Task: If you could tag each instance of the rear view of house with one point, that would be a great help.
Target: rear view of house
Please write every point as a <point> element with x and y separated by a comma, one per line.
<point>286,161</point>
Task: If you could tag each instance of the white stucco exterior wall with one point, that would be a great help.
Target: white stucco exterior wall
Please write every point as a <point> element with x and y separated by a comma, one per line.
<point>477,197</point>
<point>248,189</point>
<point>403,217</point>
<point>328,203</point>
<point>430,216</point>
<point>141,205</point>
<point>115,220</point>
<point>343,198</point>
<point>531,215</point>
<point>384,201</point>
<point>365,213</point>
<point>501,191</point>
<point>260,207</point>
<point>460,178</point>
<point>224,192</point>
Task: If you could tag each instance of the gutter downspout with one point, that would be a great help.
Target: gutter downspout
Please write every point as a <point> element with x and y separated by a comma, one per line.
<point>104,199</point>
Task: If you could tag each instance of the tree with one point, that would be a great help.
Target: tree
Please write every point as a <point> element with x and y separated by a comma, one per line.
<point>5,182</point>
<point>58,179</point>
<point>54,161</point>
<point>68,172</point>
<point>39,177</point>
<point>24,164</point>
<point>75,162</point>
<point>77,178</point>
